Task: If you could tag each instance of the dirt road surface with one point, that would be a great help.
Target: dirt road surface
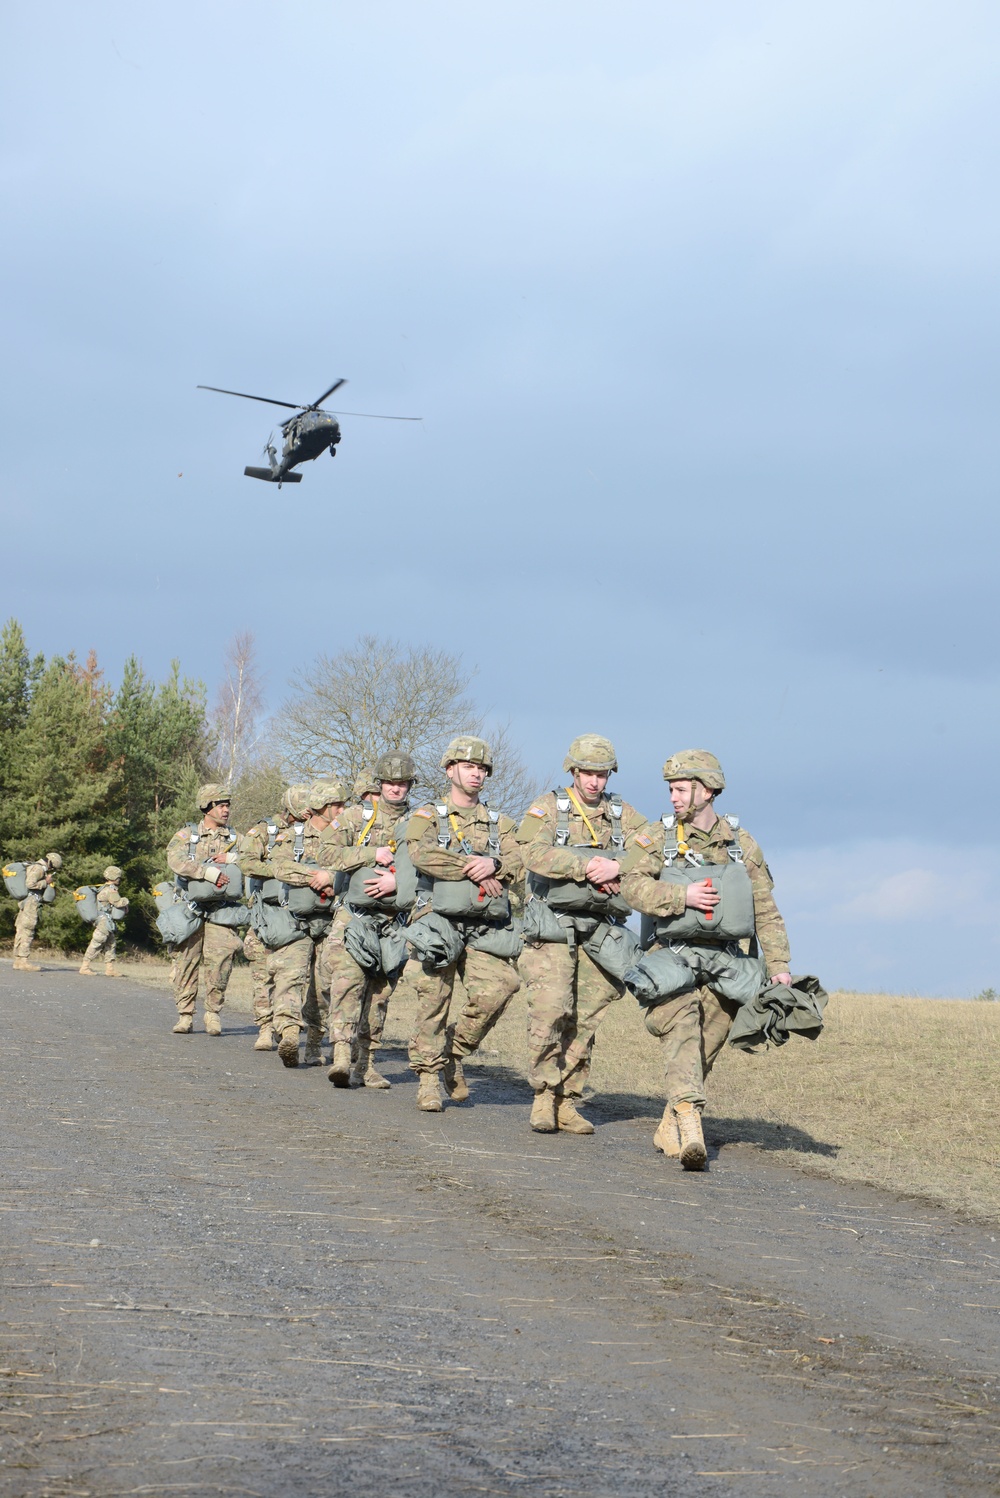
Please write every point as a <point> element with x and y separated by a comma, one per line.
<point>223,1277</point>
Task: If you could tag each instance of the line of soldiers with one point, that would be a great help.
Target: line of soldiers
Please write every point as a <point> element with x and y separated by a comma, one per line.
<point>342,896</point>
<point>581,861</point>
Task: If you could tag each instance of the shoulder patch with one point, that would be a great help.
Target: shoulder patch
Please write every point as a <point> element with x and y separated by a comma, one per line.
<point>536,811</point>
<point>422,811</point>
<point>643,840</point>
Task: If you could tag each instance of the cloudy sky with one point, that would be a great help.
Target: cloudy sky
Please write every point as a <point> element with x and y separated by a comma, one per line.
<point>699,306</point>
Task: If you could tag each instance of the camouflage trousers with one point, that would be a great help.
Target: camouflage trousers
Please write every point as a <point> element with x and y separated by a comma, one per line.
<point>316,1005</point>
<point>359,998</point>
<point>211,947</point>
<point>261,981</point>
<point>490,983</point>
<point>568,996</point>
<point>103,940</point>
<point>692,1030</point>
<point>25,926</point>
<point>288,975</point>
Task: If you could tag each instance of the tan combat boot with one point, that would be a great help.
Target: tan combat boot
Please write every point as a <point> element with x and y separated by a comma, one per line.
<point>86,971</point>
<point>364,1072</point>
<point>288,1046</point>
<point>265,1040</point>
<point>667,1137</point>
<point>692,1141</point>
<point>429,1093</point>
<point>543,1112</point>
<point>184,1025</point>
<point>213,1024</point>
<point>373,1077</point>
<point>568,1120</point>
<point>22,965</point>
<point>314,1047</point>
<point>110,971</point>
<point>454,1081</point>
<point>340,1064</point>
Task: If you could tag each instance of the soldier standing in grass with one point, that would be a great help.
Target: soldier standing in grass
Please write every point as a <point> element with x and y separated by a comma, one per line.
<point>572,839</point>
<point>450,842</point>
<point>204,852</point>
<point>294,860</point>
<point>363,838</point>
<point>37,877</point>
<point>109,898</point>
<point>693,1025</point>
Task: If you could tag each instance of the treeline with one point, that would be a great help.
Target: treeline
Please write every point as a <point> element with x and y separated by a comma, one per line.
<point>98,774</point>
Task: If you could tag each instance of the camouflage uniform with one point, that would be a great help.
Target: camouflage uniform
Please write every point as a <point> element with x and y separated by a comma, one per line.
<point>490,982</point>
<point>211,946</point>
<point>37,877</point>
<point>693,1027</point>
<point>306,992</point>
<point>105,931</point>
<point>358,998</point>
<point>568,994</point>
<point>254,848</point>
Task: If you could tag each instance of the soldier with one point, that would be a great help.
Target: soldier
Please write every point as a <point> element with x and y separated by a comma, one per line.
<point>572,842</point>
<point>294,860</point>
<point>103,940</point>
<point>38,877</point>
<point>365,785</point>
<point>203,852</point>
<point>255,847</point>
<point>363,837</point>
<point>459,842</point>
<point>692,1025</point>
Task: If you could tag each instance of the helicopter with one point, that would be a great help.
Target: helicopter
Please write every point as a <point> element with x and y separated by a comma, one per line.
<point>308,433</point>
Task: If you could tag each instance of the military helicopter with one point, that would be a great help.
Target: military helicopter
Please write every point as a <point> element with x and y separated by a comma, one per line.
<point>308,433</point>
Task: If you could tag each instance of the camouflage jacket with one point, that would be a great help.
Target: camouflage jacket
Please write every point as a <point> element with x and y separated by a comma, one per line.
<point>470,822</point>
<point>645,891</point>
<point>537,836</point>
<point>340,850</point>
<point>254,853</point>
<point>109,897</point>
<point>37,876</point>
<point>212,841</point>
<point>282,865</point>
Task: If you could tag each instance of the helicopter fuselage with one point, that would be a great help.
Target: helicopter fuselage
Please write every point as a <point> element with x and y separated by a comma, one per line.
<point>306,436</point>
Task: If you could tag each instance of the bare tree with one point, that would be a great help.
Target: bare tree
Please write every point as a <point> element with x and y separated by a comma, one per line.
<point>238,709</point>
<point>349,708</point>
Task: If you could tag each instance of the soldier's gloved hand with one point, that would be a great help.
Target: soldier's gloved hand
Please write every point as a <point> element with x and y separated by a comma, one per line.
<point>384,857</point>
<point>480,868</point>
<point>231,857</point>
<point>701,895</point>
<point>222,881</point>
<point>321,880</point>
<point>602,870</point>
<point>381,885</point>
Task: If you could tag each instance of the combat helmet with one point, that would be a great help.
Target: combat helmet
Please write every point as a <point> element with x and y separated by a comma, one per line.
<point>112,874</point>
<point>324,792</point>
<point>365,784</point>
<point>696,764</point>
<point>396,766</point>
<point>54,861</point>
<point>296,802</point>
<point>467,746</point>
<point>591,752</point>
<point>210,795</point>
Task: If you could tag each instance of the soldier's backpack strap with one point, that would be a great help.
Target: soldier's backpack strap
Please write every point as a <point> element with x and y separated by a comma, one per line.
<point>670,847</point>
<point>617,836</point>
<point>735,849</point>
<point>298,847</point>
<point>370,811</point>
<point>493,837</point>
<point>444,830</point>
<point>562,817</point>
<point>272,831</point>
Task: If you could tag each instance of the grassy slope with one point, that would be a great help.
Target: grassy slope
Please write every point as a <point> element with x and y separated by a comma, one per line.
<point>898,1092</point>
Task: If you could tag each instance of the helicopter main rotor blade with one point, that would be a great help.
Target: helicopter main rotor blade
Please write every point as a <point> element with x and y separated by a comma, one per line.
<point>376,416</point>
<point>316,403</point>
<point>243,396</point>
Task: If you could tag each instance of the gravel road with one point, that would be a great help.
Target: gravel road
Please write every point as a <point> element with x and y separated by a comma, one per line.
<point>224,1277</point>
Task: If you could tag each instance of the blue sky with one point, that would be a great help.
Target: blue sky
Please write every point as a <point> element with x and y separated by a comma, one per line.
<point>699,306</point>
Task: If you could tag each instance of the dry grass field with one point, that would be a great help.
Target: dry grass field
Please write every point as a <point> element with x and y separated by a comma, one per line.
<point>901,1093</point>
